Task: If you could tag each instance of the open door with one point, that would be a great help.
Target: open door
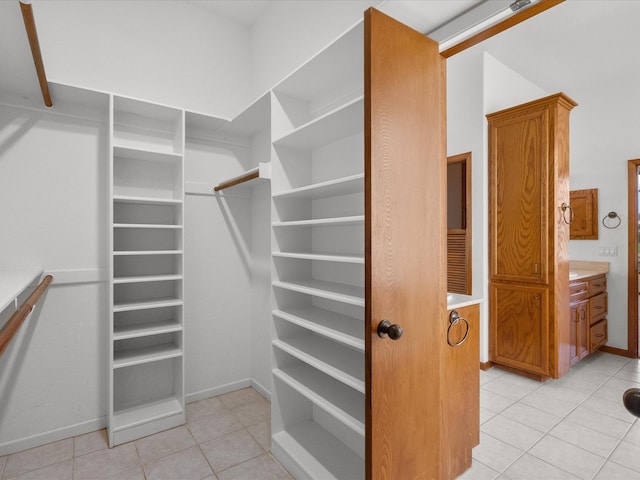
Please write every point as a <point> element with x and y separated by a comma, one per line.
<point>405,249</point>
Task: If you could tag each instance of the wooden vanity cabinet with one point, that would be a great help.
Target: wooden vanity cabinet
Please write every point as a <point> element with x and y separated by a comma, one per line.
<point>588,310</point>
<point>528,237</point>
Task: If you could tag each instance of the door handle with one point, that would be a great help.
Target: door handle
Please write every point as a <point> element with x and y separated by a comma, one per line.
<point>387,329</point>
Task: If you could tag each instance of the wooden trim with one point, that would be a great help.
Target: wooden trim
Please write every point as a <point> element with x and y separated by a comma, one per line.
<point>12,325</point>
<point>255,173</point>
<point>466,283</point>
<point>632,268</point>
<point>30,25</point>
<point>617,351</point>
<point>486,365</point>
<point>500,27</point>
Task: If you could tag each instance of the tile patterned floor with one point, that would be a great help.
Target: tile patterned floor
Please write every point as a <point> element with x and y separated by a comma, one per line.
<point>227,437</point>
<point>572,428</point>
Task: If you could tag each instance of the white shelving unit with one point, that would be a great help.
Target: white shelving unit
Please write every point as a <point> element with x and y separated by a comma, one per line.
<point>146,387</point>
<point>318,264</point>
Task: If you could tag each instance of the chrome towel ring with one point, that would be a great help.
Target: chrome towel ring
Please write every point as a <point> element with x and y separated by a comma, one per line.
<point>612,223</point>
<point>454,319</point>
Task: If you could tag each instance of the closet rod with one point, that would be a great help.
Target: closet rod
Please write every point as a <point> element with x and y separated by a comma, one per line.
<point>10,328</point>
<point>250,175</point>
<point>30,25</point>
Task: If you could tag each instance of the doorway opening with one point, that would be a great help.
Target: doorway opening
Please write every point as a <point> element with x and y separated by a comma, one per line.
<point>634,256</point>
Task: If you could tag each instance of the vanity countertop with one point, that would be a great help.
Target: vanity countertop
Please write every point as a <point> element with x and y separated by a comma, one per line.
<point>581,269</point>
<point>456,300</point>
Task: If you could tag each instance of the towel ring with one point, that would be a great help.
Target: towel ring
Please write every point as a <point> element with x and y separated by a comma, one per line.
<point>564,208</point>
<point>454,319</point>
<point>611,215</point>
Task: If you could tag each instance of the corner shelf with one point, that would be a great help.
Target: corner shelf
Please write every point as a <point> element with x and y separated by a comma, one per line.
<point>15,281</point>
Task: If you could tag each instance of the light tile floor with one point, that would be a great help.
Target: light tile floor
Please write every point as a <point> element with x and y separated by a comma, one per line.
<point>572,428</point>
<point>227,437</point>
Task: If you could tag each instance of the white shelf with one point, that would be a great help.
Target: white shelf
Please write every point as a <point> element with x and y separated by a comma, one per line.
<point>322,257</point>
<point>147,278</point>
<point>146,225</point>
<point>317,452</point>
<point>340,123</point>
<point>147,252</point>
<point>261,172</point>
<point>146,329</point>
<point>148,412</point>
<point>129,358</point>
<point>341,402</point>
<point>148,155</point>
<point>332,188</point>
<point>15,281</point>
<point>340,328</point>
<point>323,222</point>
<point>339,292</point>
<point>130,306</point>
<point>343,364</point>
<point>146,200</point>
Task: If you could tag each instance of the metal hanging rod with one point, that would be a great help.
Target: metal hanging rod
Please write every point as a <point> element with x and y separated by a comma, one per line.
<point>10,328</point>
<point>30,25</point>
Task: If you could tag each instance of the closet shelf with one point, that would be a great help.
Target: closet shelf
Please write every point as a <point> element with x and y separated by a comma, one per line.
<point>343,364</point>
<point>148,412</point>
<point>146,200</point>
<point>147,225</point>
<point>323,257</point>
<point>339,292</point>
<point>147,278</point>
<point>341,402</point>
<point>160,303</point>
<point>322,222</point>
<point>155,353</point>
<point>339,328</point>
<point>331,188</point>
<point>14,281</point>
<point>148,155</point>
<point>337,124</point>
<point>261,172</point>
<point>322,454</point>
<point>146,329</point>
<point>147,252</point>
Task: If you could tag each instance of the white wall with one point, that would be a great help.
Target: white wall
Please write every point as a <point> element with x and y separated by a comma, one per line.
<point>170,52</point>
<point>291,32</point>
<point>604,136</point>
<point>53,377</point>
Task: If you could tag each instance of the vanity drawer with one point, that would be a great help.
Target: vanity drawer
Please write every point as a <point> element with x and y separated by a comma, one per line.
<point>578,291</point>
<point>597,285</point>
<point>597,335</point>
<point>598,307</point>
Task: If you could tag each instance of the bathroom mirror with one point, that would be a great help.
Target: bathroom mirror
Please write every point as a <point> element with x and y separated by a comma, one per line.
<point>459,223</point>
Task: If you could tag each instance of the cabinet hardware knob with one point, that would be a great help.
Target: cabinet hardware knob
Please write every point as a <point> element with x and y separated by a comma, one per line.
<point>387,329</point>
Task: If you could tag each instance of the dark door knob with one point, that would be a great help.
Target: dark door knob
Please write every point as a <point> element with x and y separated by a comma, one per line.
<point>387,329</point>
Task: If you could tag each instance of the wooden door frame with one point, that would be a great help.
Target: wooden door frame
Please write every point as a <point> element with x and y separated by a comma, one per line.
<point>632,269</point>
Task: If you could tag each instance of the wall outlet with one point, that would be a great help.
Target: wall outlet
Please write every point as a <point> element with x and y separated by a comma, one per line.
<point>611,251</point>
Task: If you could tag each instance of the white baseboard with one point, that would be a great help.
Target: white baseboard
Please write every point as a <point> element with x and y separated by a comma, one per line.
<point>261,389</point>
<point>219,390</point>
<point>52,436</point>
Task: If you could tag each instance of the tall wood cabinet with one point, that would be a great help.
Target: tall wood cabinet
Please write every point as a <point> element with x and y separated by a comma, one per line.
<point>529,235</point>
<point>358,237</point>
<point>146,379</point>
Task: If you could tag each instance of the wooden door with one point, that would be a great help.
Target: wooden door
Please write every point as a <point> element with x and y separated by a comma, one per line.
<point>405,249</point>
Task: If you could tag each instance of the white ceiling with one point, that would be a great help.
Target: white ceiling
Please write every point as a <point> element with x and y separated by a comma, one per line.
<point>577,43</point>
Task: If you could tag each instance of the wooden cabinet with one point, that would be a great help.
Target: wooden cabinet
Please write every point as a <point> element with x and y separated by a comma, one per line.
<point>585,214</point>
<point>462,376</point>
<point>528,238</point>
<point>588,311</point>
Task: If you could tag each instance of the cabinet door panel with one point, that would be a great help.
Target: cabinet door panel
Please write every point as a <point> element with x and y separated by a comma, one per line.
<point>519,198</point>
<point>519,327</point>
